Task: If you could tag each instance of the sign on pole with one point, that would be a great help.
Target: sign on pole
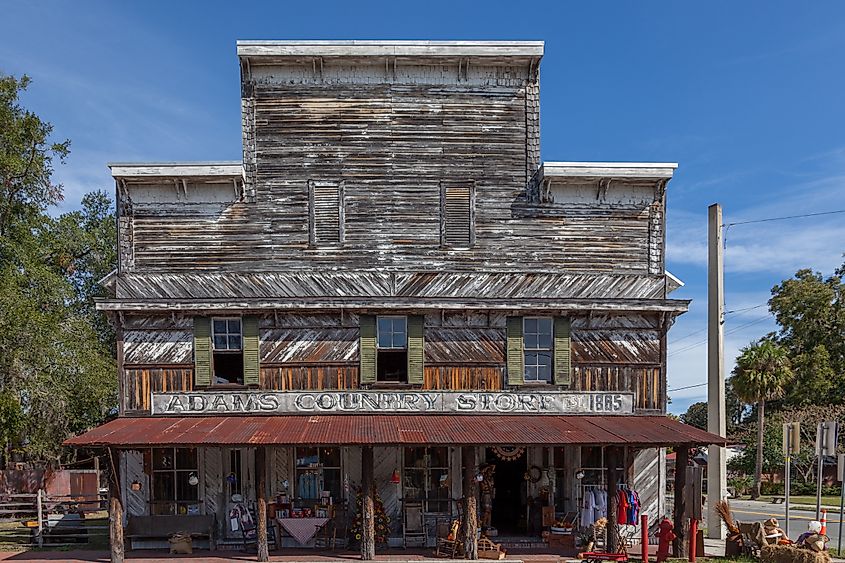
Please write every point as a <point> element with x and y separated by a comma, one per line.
<point>826,437</point>
<point>791,438</point>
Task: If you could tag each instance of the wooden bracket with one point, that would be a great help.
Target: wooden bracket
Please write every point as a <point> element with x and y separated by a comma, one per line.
<point>604,184</point>
<point>660,189</point>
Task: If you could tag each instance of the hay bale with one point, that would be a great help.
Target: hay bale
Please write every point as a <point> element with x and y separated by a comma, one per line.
<point>789,554</point>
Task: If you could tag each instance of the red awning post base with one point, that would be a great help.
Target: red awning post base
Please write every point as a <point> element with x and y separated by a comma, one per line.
<point>394,429</point>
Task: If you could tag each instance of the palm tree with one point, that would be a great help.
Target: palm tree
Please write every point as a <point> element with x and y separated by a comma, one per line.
<point>762,373</point>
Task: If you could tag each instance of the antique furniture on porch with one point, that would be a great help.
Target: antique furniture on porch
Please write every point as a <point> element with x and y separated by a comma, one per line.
<point>449,541</point>
<point>302,530</point>
<point>413,526</point>
<point>489,550</point>
<point>161,527</point>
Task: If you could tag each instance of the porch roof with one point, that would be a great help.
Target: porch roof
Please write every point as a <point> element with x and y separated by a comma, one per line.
<point>547,430</point>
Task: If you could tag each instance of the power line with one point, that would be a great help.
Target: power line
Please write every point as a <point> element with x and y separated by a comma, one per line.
<point>735,329</point>
<point>687,387</point>
<point>767,219</point>
<point>738,312</point>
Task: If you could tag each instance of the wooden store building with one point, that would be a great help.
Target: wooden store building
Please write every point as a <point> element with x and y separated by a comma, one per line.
<point>391,288</point>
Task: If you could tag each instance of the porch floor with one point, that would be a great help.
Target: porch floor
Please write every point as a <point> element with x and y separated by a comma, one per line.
<point>712,548</point>
<point>289,555</point>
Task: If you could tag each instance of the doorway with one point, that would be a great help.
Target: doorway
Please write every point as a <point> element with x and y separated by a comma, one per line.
<point>511,494</point>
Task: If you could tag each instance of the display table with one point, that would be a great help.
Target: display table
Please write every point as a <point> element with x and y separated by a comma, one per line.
<point>302,530</point>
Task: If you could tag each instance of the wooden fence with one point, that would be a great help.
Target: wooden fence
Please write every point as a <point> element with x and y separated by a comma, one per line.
<point>40,520</point>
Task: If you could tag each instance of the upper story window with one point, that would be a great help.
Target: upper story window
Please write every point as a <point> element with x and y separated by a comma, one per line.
<point>325,213</point>
<point>227,345</point>
<point>537,347</point>
<point>392,338</point>
<point>457,215</point>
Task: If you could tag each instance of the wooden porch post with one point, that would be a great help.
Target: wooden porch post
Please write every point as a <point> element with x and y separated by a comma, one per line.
<point>681,461</point>
<point>368,520</point>
<point>611,460</point>
<point>115,511</point>
<point>261,501</point>
<point>470,523</point>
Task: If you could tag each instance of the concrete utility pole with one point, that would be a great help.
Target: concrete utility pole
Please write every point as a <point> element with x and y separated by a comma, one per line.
<point>716,424</point>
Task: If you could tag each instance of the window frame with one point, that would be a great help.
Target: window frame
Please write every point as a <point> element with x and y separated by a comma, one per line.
<point>175,471</point>
<point>230,352</point>
<point>428,471</point>
<point>392,332</point>
<point>537,350</point>
<point>320,468</point>
<point>228,334</point>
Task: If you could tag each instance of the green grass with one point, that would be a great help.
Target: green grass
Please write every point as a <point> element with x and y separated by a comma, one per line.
<point>805,499</point>
<point>14,536</point>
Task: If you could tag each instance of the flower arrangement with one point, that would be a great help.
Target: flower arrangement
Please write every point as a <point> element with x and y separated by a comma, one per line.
<point>382,520</point>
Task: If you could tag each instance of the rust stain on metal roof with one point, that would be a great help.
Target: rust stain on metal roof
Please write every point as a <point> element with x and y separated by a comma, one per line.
<point>394,430</point>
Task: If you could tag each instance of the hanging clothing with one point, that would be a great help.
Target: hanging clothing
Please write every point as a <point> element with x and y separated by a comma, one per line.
<point>622,507</point>
<point>600,497</point>
<point>588,508</point>
<point>634,510</point>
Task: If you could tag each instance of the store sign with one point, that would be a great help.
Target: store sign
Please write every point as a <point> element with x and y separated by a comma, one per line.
<point>391,402</point>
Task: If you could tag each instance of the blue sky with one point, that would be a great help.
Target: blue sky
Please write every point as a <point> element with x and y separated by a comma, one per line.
<point>746,96</point>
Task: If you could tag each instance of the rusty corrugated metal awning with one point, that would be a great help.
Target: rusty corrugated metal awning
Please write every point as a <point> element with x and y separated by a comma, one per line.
<point>394,430</point>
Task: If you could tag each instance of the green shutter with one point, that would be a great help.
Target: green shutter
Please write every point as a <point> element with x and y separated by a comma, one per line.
<point>416,349</point>
<point>202,351</point>
<point>516,358</point>
<point>367,348</point>
<point>563,356</point>
<point>252,343</point>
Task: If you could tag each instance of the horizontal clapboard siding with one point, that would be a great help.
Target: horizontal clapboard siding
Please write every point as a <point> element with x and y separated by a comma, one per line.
<point>393,146</point>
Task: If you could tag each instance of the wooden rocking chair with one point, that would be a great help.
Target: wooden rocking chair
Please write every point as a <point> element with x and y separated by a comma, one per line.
<point>450,544</point>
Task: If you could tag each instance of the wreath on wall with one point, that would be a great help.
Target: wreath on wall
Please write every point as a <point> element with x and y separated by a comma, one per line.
<point>508,453</point>
<point>534,474</point>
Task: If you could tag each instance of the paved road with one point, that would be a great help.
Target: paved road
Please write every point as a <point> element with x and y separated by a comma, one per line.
<point>750,511</point>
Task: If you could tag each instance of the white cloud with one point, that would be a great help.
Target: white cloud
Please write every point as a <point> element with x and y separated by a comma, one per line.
<point>776,246</point>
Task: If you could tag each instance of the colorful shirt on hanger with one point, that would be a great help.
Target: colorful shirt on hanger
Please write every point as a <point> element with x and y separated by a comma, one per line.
<point>622,507</point>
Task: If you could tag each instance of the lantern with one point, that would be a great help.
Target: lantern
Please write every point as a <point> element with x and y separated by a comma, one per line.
<point>395,477</point>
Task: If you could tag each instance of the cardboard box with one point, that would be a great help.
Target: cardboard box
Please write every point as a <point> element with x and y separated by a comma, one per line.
<point>548,516</point>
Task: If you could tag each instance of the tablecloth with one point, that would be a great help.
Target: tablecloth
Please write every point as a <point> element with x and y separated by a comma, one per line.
<point>302,529</point>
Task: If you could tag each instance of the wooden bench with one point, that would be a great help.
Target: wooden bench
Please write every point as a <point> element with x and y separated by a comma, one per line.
<point>161,527</point>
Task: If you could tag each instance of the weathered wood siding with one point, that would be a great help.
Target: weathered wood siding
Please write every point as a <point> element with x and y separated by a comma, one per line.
<point>463,351</point>
<point>392,133</point>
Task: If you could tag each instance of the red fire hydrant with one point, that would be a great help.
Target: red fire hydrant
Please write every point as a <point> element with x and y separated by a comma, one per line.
<point>665,535</point>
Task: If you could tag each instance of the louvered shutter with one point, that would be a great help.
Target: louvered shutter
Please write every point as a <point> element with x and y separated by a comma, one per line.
<point>202,351</point>
<point>562,352</point>
<point>251,344</point>
<point>367,348</point>
<point>516,359</point>
<point>416,349</point>
<point>326,213</point>
<point>457,216</point>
